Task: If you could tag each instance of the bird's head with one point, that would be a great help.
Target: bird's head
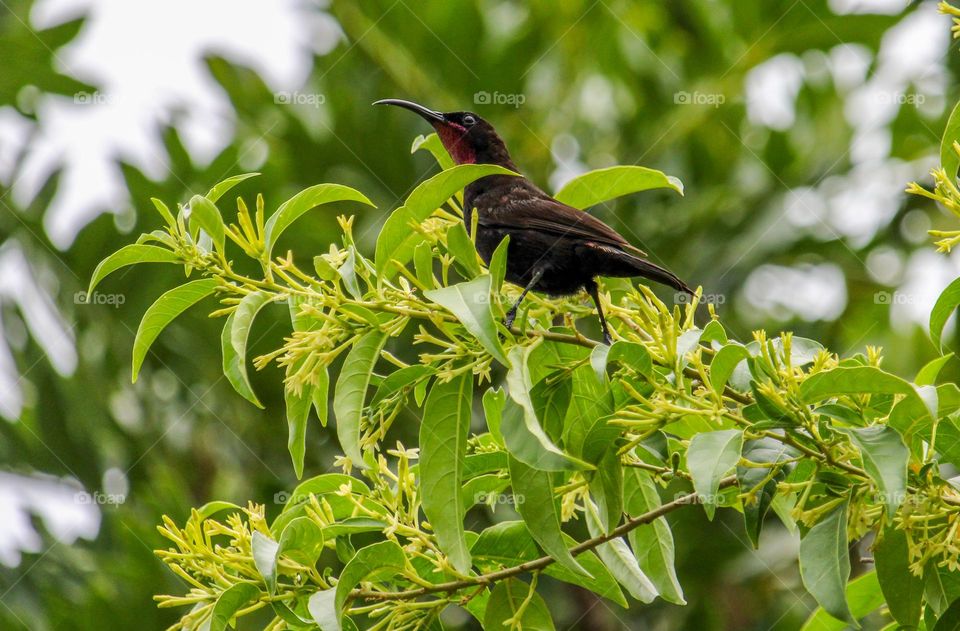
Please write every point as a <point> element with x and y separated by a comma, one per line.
<point>467,138</point>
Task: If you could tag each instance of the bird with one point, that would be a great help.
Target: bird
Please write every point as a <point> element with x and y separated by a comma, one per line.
<point>554,248</point>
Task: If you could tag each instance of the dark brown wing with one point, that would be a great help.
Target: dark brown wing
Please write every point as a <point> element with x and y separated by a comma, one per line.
<point>546,214</point>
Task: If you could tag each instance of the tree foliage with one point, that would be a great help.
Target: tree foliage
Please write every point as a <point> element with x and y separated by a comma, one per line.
<point>578,436</point>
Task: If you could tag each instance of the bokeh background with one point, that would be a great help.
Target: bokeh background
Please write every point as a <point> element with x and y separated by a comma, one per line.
<point>794,126</point>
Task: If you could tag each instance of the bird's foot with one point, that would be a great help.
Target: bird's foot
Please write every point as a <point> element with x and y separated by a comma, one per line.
<point>511,316</point>
<point>607,339</point>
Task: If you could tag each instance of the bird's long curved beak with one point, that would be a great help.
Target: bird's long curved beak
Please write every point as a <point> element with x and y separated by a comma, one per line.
<point>431,116</point>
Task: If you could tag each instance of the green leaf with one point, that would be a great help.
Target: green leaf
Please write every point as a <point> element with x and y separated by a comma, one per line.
<point>927,376</point>
<point>884,459</point>
<point>852,380</point>
<point>348,273</point>
<point>652,543</point>
<point>240,322</point>
<point>950,619</point>
<point>470,302</point>
<point>233,366</point>
<point>534,500</point>
<point>512,606</point>
<point>598,360</point>
<point>493,403</point>
<point>230,602</point>
<point>323,608</point>
<point>306,200</point>
<point>378,561</point>
<point>206,214</point>
<point>710,456</point>
<point>351,390</point>
<point>864,596</point>
<point>164,212</point>
<point>950,298</point>
<point>522,433</point>
<point>264,551</point>
<point>724,363</point>
<point>398,238</point>
<point>431,143</point>
<point>902,590</point>
<point>951,134</point>
<point>463,251</point>
<point>632,355</point>
<point>130,255</point>
<point>444,430</point>
<point>755,507</point>
<point>825,563</point>
<point>620,560</point>
<point>601,185</point>
<point>298,411</point>
<point>301,541</point>
<point>606,488</point>
<point>163,311</point>
<point>220,188</point>
<point>498,264</point>
<point>509,543</point>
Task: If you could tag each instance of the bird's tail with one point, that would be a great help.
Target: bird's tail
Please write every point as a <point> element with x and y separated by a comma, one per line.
<point>656,273</point>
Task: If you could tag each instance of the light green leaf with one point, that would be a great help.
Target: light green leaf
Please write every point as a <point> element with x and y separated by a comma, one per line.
<point>240,322</point>
<point>431,143</point>
<point>130,255</point>
<point>852,380</point>
<point>598,360</point>
<point>221,188</point>
<point>322,607</point>
<point>606,488</point>
<point>825,563</point>
<point>947,302</point>
<point>710,456</point>
<point>444,430</point>
<point>601,185</point>
<point>230,602</point>
<point>301,541</point>
<point>398,238</point>
<point>463,251</point>
<point>206,215</point>
<point>724,363</point>
<point>511,606</point>
<point>164,212</point>
<point>632,355</point>
<point>470,302</point>
<point>351,391</point>
<point>163,311</point>
<point>298,411</point>
<point>306,200</point>
<point>927,376</point>
<point>619,559</point>
<point>348,273</point>
<point>264,551</point>
<point>233,366</point>
<point>951,134</point>
<point>533,496</point>
<point>864,596</point>
<point>498,264</point>
<point>652,543</point>
<point>884,459</point>
<point>378,561</point>
<point>522,433</point>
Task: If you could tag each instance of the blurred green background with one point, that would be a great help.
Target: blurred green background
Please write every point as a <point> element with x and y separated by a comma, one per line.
<point>794,126</point>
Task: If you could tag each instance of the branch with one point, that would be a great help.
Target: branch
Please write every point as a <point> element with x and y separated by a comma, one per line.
<point>544,561</point>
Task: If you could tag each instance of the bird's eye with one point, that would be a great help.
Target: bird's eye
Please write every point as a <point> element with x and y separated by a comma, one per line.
<point>469,120</point>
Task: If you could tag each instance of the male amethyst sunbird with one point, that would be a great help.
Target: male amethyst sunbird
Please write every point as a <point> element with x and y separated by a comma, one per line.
<point>554,248</point>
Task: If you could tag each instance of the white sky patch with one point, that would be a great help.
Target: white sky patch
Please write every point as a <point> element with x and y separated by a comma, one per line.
<point>61,505</point>
<point>146,60</point>
<point>807,292</point>
<point>772,89</point>
<point>886,7</point>
<point>927,275</point>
